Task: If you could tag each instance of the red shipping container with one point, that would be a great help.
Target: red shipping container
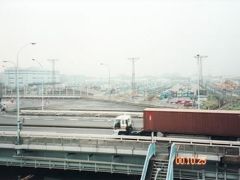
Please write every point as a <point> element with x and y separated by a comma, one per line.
<point>195,122</point>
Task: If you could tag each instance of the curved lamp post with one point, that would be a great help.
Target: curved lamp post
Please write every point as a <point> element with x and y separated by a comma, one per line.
<point>17,82</point>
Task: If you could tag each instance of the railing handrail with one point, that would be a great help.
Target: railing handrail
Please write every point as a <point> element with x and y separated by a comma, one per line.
<point>199,142</point>
<point>151,151</point>
<point>192,172</point>
<point>74,160</point>
<point>172,155</point>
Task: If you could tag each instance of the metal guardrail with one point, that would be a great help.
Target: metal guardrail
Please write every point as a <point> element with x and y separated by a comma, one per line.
<point>118,144</point>
<point>85,113</point>
<point>208,150</point>
<point>202,142</point>
<point>75,144</point>
<point>205,174</point>
<point>72,164</point>
<point>122,138</point>
<point>151,151</point>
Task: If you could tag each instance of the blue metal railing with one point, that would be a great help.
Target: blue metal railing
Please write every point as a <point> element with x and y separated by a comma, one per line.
<point>172,156</point>
<point>151,151</point>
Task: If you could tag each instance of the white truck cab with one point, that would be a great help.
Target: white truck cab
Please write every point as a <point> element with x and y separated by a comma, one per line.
<point>122,125</point>
<point>3,107</point>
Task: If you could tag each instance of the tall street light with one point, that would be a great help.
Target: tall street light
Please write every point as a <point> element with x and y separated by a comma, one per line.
<point>107,66</point>
<point>42,80</point>
<point>18,103</point>
<point>200,79</point>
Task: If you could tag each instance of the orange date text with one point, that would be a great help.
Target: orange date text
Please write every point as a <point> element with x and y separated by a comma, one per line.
<point>190,161</point>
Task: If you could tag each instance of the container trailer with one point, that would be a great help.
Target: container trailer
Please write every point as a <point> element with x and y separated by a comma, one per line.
<point>212,123</point>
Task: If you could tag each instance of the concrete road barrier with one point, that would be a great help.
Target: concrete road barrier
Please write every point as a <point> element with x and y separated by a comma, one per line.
<point>80,113</point>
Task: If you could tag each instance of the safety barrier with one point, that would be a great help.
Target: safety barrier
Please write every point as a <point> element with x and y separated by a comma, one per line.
<point>201,142</point>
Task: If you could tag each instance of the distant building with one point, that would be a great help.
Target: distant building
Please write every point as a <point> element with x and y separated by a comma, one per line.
<point>28,76</point>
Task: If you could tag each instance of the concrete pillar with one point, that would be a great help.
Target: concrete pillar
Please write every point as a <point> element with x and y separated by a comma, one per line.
<point>216,171</point>
<point>5,90</point>
<point>203,174</point>
<point>225,172</point>
<point>239,174</point>
<point>152,135</point>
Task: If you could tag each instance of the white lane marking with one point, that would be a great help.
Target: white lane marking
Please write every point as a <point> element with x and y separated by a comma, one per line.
<point>72,119</point>
<point>49,119</point>
<point>98,120</point>
<point>6,115</point>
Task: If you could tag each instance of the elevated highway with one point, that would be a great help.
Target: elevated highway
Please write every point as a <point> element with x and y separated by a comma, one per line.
<point>115,154</point>
<point>68,119</point>
<point>147,157</point>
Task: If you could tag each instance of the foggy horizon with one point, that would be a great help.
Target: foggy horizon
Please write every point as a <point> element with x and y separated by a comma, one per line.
<point>164,35</point>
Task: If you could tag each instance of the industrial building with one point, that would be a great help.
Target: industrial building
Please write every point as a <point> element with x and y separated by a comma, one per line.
<point>29,76</point>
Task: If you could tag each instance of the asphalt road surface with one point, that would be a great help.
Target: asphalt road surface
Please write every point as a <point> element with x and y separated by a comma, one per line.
<point>64,121</point>
<point>74,104</point>
<point>68,124</point>
<point>60,130</point>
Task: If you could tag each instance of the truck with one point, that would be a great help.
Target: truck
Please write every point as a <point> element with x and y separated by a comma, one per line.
<point>123,125</point>
<point>3,107</point>
<point>217,124</point>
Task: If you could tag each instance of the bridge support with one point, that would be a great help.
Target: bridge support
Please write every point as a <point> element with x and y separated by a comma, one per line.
<point>151,151</point>
<point>172,156</point>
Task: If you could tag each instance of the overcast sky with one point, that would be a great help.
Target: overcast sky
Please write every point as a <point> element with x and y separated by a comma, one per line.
<point>164,34</point>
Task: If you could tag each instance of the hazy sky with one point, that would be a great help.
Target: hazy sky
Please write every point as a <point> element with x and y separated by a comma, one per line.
<point>164,34</point>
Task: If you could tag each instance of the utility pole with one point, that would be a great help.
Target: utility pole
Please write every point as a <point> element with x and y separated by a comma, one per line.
<point>53,73</point>
<point>42,81</point>
<point>200,76</point>
<point>109,77</point>
<point>133,59</point>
